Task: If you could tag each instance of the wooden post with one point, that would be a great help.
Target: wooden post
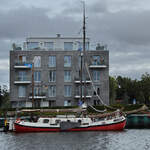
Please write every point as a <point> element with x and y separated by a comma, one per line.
<point>33,85</point>
<point>81,76</point>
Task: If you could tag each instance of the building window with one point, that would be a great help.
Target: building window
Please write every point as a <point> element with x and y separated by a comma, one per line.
<point>85,90</point>
<point>68,46</point>
<point>95,60</point>
<point>97,102</point>
<point>49,45</point>
<point>67,103</point>
<point>52,91</point>
<point>52,103</point>
<point>96,75</point>
<point>21,104</point>
<point>52,76</point>
<point>37,61</point>
<point>22,59</point>
<point>80,46</point>
<point>32,45</point>
<point>87,46</point>
<point>67,90</point>
<point>37,76</point>
<point>22,76</point>
<point>21,91</point>
<point>67,76</point>
<point>97,90</point>
<point>52,61</point>
<point>67,61</point>
<point>37,91</point>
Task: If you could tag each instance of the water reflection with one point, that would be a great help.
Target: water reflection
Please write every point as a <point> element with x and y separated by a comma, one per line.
<point>125,140</point>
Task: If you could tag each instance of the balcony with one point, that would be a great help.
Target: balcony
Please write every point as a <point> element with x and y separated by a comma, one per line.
<point>22,80</point>
<point>38,96</point>
<point>97,64</point>
<point>88,95</point>
<point>23,65</point>
<point>78,81</point>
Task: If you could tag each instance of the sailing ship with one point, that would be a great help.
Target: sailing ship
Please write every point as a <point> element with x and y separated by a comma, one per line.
<point>112,122</point>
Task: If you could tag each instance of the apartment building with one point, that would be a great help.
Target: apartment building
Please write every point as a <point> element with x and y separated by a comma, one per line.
<point>45,72</point>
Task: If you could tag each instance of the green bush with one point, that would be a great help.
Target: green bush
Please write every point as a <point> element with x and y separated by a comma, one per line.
<point>54,107</point>
<point>117,106</point>
<point>132,107</point>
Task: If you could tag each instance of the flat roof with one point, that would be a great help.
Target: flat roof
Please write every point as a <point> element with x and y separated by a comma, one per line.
<point>55,38</point>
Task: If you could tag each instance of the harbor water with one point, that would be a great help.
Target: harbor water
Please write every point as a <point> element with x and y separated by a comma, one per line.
<point>129,139</point>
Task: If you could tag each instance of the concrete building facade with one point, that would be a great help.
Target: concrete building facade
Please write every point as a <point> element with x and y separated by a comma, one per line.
<point>55,66</point>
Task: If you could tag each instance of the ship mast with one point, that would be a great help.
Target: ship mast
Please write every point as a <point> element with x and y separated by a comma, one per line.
<point>83,59</point>
<point>84,37</point>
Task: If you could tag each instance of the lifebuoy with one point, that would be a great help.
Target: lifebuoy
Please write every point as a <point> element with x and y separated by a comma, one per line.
<point>18,120</point>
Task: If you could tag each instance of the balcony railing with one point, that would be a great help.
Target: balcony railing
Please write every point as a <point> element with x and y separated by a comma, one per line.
<point>23,65</point>
<point>41,95</point>
<point>88,94</point>
<point>78,81</point>
<point>97,65</point>
<point>22,80</point>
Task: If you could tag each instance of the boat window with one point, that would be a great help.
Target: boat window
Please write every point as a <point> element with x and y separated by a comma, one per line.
<point>45,120</point>
<point>57,121</point>
<point>79,121</point>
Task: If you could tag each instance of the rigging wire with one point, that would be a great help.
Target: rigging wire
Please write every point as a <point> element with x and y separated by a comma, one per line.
<point>86,66</point>
<point>93,84</point>
<point>85,62</point>
<point>101,111</point>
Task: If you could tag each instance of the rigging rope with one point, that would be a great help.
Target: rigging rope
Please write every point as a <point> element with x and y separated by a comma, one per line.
<point>101,111</point>
<point>86,66</point>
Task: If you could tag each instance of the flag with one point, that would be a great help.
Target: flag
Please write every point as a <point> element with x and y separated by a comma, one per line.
<point>79,49</point>
<point>28,65</point>
<point>80,103</point>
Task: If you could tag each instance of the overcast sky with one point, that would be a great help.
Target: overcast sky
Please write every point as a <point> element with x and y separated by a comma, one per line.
<point>121,24</point>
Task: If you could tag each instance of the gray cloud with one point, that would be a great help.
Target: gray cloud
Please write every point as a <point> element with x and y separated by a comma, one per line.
<point>4,77</point>
<point>96,7</point>
<point>122,25</point>
<point>24,22</point>
<point>130,27</point>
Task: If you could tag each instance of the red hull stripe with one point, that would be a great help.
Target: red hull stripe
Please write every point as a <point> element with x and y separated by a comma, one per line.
<point>108,127</point>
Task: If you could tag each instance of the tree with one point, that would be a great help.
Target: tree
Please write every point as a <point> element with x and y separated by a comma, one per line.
<point>145,86</point>
<point>140,97</point>
<point>4,97</point>
<point>122,89</point>
<point>112,89</point>
<point>0,96</point>
<point>126,89</point>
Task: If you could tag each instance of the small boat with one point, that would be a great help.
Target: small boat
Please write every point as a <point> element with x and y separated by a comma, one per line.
<point>60,123</point>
